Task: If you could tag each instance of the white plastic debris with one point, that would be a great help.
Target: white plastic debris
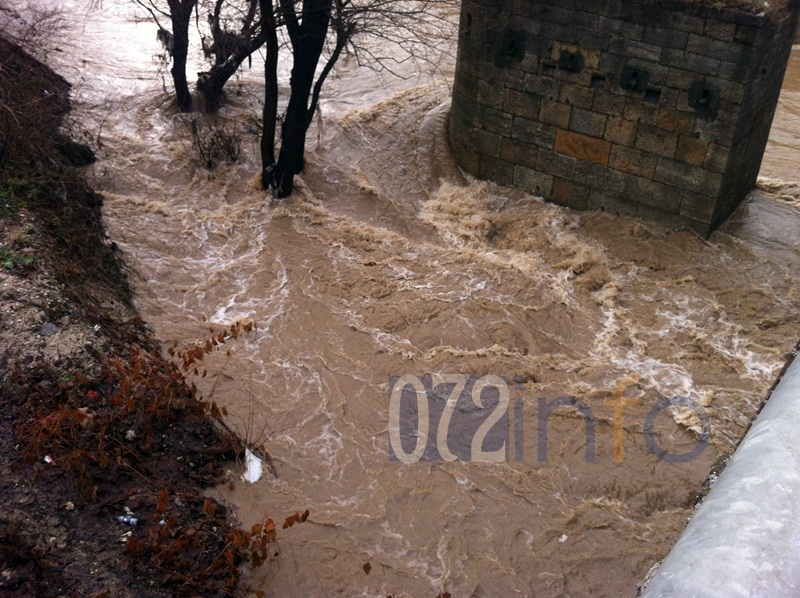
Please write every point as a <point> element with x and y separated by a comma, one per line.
<point>563,538</point>
<point>127,519</point>
<point>130,435</point>
<point>48,459</point>
<point>252,466</point>
<point>96,327</point>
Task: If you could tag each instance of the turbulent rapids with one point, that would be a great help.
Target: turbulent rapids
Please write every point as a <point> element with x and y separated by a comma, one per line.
<point>386,262</point>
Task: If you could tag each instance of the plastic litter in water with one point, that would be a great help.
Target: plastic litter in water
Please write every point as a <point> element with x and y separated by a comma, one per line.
<point>252,466</point>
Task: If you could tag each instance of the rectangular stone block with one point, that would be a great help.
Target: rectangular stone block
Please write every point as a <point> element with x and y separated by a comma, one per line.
<point>686,22</point>
<point>485,143</point>
<point>488,96</point>
<point>666,38</point>
<point>610,8</point>
<point>468,159</point>
<point>521,103</point>
<point>563,33</point>
<point>594,40</point>
<point>588,122</point>
<point>466,86</point>
<point>737,72</point>
<point>632,161</point>
<point>519,8</point>
<point>680,78</point>
<point>518,152</point>
<point>576,95</point>
<point>691,150</point>
<point>690,61</point>
<point>652,193</point>
<point>729,91</point>
<point>591,58</point>
<point>583,20</point>
<point>746,35</point>
<point>612,63</point>
<point>714,132</point>
<point>670,219</point>
<point>570,194</point>
<point>608,103</point>
<point>546,87</point>
<point>555,113</point>
<point>676,121</point>
<point>699,207</point>
<point>688,177</point>
<point>597,177</point>
<point>610,202</point>
<point>556,164</point>
<point>582,147</point>
<point>714,48</point>
<point>621,29</point>
<point>636,109</point>
<point>657,73</point>
<point>460,131</point>
<point>551,14</point>
<point>633,49</point>
<point>567,77</point>
<point>620,131</point>
<point>499,171</point>
<point>720,30</point>
<point>669,98</point>
<point>649,12</point>
<point>467,111</point>
<point>656,141</point>
<point>532,181</point>
<point>716,157</point>
<point>533,132</point>
<point>484,69</point>
<point>497,122</point>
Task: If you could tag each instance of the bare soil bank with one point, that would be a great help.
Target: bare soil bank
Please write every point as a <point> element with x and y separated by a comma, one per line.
<point>95,426</point>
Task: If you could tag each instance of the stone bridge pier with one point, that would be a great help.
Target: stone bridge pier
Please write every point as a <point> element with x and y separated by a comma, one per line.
<point>654,108</point>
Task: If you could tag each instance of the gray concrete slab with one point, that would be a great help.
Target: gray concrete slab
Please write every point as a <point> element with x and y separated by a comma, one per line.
<point>744,539</point>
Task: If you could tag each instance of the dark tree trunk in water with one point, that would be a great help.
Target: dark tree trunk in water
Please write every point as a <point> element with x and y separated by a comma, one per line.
<point>270,113</point>
<point>308,40</point>
<point>181,14</point>
<point>212,82</point>
<point>230,49</point>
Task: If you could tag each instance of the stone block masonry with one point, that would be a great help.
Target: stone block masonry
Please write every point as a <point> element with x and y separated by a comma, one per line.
<point>655,108</point>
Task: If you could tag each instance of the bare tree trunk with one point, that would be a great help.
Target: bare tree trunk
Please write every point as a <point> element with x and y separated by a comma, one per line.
<point>308,40</point>
<point>212,82</point>
<point>270,112</point>
<point>181,15</point>
<point>230,49</point>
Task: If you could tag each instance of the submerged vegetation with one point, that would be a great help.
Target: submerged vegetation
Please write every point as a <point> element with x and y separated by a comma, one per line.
<point>313,34</point>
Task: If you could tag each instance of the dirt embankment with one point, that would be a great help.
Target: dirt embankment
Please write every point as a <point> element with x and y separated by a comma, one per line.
<point>96,428</point>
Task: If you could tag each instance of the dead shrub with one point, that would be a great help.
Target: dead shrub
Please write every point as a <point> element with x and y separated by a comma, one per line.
<point>214,143</point>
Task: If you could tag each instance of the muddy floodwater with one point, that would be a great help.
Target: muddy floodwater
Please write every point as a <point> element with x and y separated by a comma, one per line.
<point>388,262</point>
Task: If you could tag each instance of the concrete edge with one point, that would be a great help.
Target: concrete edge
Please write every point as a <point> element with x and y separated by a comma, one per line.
<point>744,538</point>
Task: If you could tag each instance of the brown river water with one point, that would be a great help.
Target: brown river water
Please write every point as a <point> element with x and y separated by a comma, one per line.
<point>388,262</point>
